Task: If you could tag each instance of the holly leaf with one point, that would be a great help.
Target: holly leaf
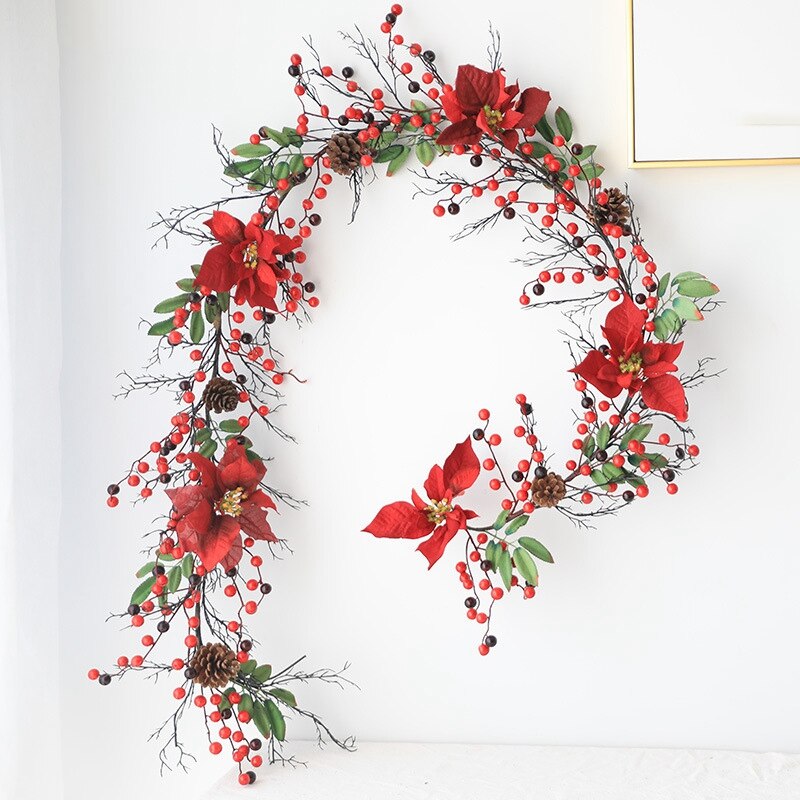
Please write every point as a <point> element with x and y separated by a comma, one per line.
<point>240,169</point>
<point>397,162</point>
<point>146,569</point>
<point>161,328</point>
<point>425,152</point>
<point>248,667</point>
<point>197,327</point>
<point>389,154</point>
<point>516,524</point>
<point>262,673</point>
<point>636,432</point>
<point>603,435</point>
<point>246,704</point>
<point>172,304</point>
<point>544,130</point>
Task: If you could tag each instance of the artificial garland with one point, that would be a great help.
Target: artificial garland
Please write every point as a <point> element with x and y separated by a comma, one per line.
<point>631,430</point>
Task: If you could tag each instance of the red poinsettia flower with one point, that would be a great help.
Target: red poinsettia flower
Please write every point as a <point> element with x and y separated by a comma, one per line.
<point>634,364</point>
<point>247,258</point>
<point>212,515</point>
<point>438,516</point>
<point>482,103</point>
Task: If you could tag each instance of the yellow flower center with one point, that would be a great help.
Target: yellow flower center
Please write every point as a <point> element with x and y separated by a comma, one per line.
<point>438,511</point>
<point>251,256</point>
<point>231,502</point>
<point>632,365</point>
<point>493,117</point>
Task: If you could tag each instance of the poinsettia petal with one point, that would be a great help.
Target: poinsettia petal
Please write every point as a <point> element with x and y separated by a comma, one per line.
<point>461,468</point>
<point>253,521</point>
<point>435,486</point>
<point>511,119</point>
<point>234,555</point>
<point>417,500</point>
<point>207,469</point>
<point>463,132</point>
<point>477,88</point>
<point>400,520</point>
<point>236,469</point>
<point>261,499</point>
<point>532,105</point>
<point>281,244</point>
<point>623,328</point>
<point>217,542</point>
<point>433,548</point>
<point>217,272</point>
<point>653,352</point>
<point>665,393</point>
<point>452,108</point>
<point>591,369</point>
<point>226,228</point>
<point>510,140</point>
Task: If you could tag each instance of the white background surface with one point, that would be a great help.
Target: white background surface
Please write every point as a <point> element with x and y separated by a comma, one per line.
<point>716,85</point>
<point>674,625</point>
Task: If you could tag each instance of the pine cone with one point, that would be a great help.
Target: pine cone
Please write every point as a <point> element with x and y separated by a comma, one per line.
<point>221,395</point>
<point>549,491</point>
<point>344,152</point>
<point>616,210</point>
<point>214,665</point>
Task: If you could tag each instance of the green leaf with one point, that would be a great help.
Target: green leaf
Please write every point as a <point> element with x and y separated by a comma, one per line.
<point>686,309</point>
<point>504,568</point>
<point>603,435</point>
<point>187,565</point>
<point>261,178</point>
<point>202,435</point>
<point>142,591</point>
<point>230,426</point>
<point>246,704</point>
<point>638,432</point>
<point>397,162</point>
<point>281,170</point>
<point>491,552</point>
<point>563,123</point>
<point>208,448</point>
<point>544,130</point>
<point>296,164</point>
<point>598,477</point>
<point>418,105</point>
<point>588,446</point>
<point>697,287</point>
<point>536,548</point>
<point>212,311</point>
<point>292,136</point>
<point>587,152</point>
<point>197,327</point>
<point>686,276</point>
<point>172,303</point>
<point>261,719</point>
<point>501,520</point>
<point>385,139</point>
<point>526,566</point>
<point>425,152</point>
<point>613,472</point>
<point>196,269</point>
<point>185,284</point>
<point>667,322</point>
<point>516,524</point>
<point>174,578</point>
<point>223,300</point>
<point>276,720</point>
<point>279,138</point>
<point>146,569</point>
<point>161,328</point>
<point>248,667</point>
<point>540,149</point>
<point>662,285</point>
<point>249,150</point>
<point>389,154</point>
<point>590,171</point>
<point>285,696</point>
<point>635,481</point>
<point>262,673</point>
<point>239,169</point>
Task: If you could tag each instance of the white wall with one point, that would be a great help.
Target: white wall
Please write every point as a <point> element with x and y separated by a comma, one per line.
<point>673,625</point>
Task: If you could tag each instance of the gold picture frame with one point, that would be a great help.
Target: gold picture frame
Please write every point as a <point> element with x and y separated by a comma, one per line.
<point>716,162</point>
